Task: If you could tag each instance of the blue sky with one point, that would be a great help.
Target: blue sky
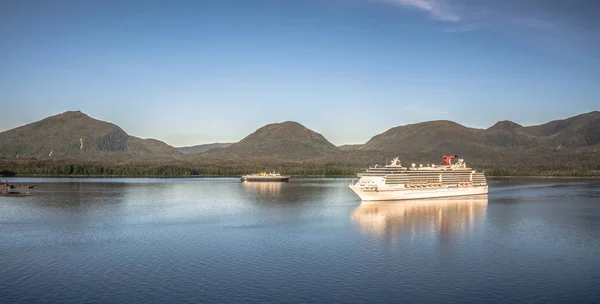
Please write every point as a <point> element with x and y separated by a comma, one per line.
<point>191,72</point>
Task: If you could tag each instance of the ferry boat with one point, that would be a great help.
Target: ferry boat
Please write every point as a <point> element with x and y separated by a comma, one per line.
<point>394,182</point>
<point>265,177</point>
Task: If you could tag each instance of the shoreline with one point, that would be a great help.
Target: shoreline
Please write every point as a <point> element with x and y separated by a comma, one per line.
<point>162,176</point>
<point>292,176</point>
<point>544,176</point>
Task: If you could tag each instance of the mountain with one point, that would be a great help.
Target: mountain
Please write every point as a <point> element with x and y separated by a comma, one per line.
<point>575,132</point>
<point>150,147</point>
<point>503,138</point>
<point>75,134</point>
<point>502,134</point>
<point>432,137</point>
<point>202,148</point>
<point>349,147</point>
<point>287,140</point>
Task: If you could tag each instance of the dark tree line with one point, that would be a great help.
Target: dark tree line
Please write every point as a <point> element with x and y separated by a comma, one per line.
<point>585,165</point>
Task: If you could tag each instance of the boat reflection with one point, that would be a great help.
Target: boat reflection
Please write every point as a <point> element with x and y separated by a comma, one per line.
<point>263,188</point>
<point>429,216</point>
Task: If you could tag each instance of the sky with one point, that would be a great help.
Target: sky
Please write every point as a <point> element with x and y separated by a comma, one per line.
<point>193,72</point>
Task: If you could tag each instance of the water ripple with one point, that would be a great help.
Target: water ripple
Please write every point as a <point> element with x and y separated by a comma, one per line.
<point>218,241</point>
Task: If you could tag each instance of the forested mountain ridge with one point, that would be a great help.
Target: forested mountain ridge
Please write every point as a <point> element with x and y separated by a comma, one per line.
<point>286,140</point>
<point>74,143</point>
<point>505,137</point>
<point>74,134</point>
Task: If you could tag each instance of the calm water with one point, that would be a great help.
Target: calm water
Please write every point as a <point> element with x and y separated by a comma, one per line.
<point>310,240</point>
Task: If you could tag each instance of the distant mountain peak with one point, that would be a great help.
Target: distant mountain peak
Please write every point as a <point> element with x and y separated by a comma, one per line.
<point>505,125</point>
<point>437,122</point>
<point>290,122</point>
<point>288,139</point>
<point>429,137</point>
<point>442,136</point>
<point>72,114</point>
<point>285,124</point>
<point>202,148</point>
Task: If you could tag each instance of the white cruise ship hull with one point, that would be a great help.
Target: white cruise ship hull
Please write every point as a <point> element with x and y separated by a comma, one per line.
<point>370,194</point>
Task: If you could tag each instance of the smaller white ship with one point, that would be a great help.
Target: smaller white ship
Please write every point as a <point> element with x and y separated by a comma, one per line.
<point>265,177</point>
<point>395,182</point>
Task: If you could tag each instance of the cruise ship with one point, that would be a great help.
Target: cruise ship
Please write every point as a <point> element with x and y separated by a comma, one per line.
<point>265,177</point>
<point>395,182</point>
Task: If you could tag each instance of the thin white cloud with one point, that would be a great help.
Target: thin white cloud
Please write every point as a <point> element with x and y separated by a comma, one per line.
<point>473,13</point>
<point>437,9</point>
<point>560,24</point>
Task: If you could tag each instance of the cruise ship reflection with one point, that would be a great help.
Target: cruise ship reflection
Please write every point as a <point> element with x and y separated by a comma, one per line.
<point>263,188</point>
<point>445,217</point>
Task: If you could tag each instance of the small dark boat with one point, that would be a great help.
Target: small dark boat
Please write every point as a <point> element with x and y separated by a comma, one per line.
<point>7,189</point>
